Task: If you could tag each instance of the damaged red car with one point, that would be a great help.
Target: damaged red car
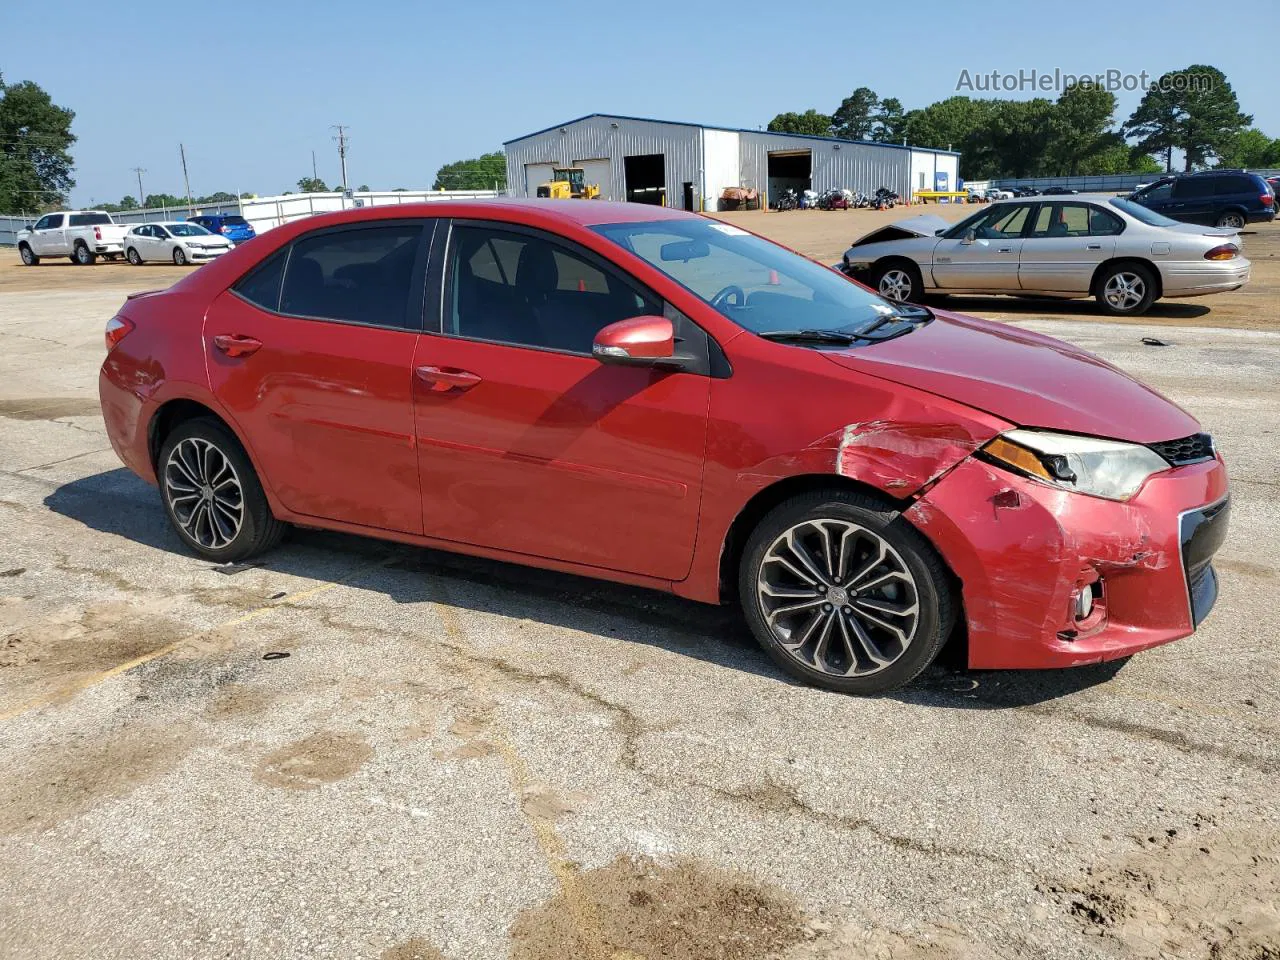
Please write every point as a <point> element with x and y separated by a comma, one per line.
<point>660,399</point>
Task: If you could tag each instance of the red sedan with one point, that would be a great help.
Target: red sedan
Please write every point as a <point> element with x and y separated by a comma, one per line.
<point>661,399</point>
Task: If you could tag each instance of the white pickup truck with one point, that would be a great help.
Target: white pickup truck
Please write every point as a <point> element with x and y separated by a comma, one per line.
<point>82,235</point>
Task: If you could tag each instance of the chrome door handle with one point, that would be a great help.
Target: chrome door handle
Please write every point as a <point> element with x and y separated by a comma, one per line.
<point>1006,249</point>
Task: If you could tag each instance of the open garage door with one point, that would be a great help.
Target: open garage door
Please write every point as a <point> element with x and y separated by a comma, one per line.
<point>789,170</point>
<point>599,173</point>
<point>646,178</point>
<point>535,174</point>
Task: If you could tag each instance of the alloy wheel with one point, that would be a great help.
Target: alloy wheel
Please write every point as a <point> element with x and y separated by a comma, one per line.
<point>895,284</point>
<point>1232,221</point>
<point>838,597</point>
<point>1124,290</point>
<point>204,492</point>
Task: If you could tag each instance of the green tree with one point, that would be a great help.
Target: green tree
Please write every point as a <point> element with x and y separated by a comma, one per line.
<point>1079,130</point>
<point>1193,110</point>
<point>811,122</point>
<point>220,197</point>
<point>890,121</point>
<point>480,173</point>
<point>35,140</point>
<point>853,118</point>
<point>164,200</point>
<point>1252,149</point>
<point>312,185</point>
<point>363,188</point>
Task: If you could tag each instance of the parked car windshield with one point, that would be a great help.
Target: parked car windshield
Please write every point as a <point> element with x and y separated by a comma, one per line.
<point>187,230</point>
<point>756,284</point>
<point>1139,212</point>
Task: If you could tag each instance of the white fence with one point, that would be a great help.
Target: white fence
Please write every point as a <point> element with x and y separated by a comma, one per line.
<point>267,212</point>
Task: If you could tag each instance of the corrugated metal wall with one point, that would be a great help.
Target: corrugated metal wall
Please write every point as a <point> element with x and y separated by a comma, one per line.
<point>853,166</point>
<point>615,138</point>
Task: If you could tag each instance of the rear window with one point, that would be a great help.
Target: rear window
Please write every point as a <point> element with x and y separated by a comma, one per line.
<point>1228,186</point>
<point>89,219</point>
<point>235,220</point>
<point>358,275</point>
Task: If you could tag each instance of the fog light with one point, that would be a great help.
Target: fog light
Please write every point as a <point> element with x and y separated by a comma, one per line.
<point>1083,602</point>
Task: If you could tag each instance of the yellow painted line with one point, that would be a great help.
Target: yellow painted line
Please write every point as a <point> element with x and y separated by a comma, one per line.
<point>550,843</point>
<point>93,680</point>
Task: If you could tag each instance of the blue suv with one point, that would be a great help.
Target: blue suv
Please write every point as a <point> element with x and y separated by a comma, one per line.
<point>230,225</point>
<point>1219,198</point>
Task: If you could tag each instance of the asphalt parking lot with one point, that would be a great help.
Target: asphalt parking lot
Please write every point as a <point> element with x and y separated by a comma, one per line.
<point>464,759</point>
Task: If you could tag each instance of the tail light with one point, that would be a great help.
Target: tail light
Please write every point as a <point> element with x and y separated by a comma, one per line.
<point>1267,199</point>
<point>117,329</point>
<point>1224,252</point>
<point>97,233</point>
<point>224,229</point>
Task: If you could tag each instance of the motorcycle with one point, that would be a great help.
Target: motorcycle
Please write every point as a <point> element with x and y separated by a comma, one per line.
<point>787,200</point>
<point>884,199</point>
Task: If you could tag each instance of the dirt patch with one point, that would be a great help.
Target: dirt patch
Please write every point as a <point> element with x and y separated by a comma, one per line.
<point>235,701</point>
<point>468,728</point>
<point>49,408</point>
<point>1205,895</point>
<point>49,658</point>
<point>852,942</point>
<point>415,949</point>
<point>1247,568</point>
<point>319,758</point>
<point>676,911</point>
<point>57,782</point>
<point>546,803</point>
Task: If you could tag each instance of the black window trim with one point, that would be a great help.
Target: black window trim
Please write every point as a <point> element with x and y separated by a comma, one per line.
<point>434,324</point>
<point>1027,230</point>
<point>430,226</point>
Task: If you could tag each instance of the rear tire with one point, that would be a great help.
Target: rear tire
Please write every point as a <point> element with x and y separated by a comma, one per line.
<point>28,256</point>
<point>212,494</point>
<point>134,257</point>
<point>1126,290</point>
<point>179,257</point>
<point>83,256</point>
<point>863,608</point>
<point>1231,220</point>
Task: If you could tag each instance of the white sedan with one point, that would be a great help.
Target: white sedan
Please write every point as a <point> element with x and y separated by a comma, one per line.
<point>176,242</point>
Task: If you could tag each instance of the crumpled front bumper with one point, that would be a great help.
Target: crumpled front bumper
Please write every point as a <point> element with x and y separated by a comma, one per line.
<point>1023,549</point>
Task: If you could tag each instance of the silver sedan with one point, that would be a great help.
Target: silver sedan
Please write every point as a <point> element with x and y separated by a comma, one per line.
<point>1089,245</point>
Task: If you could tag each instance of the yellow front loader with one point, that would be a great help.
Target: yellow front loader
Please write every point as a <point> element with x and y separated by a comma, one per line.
<point>569,183</point>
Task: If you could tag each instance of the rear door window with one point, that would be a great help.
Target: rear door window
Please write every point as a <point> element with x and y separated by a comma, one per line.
<point>1190,188</point>
<point>357,275</point>
<point>261,286</point>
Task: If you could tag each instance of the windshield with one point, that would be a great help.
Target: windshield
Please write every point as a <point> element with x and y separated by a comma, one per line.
<point>756,284</point>
<point>187,230</point>
<point>1139,212</point>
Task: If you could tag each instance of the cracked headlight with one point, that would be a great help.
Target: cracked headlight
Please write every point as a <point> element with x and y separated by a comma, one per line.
<point>1101,468</point>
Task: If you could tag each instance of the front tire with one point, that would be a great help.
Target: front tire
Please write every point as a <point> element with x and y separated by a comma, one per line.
<point>28,256</point>
<point>1126,290</point>
<point>83,256</point>
<point>179,257</point>
<point>899,281</point>
<point>134,257</point>
<point>844,594</point>
<point>212,494</point>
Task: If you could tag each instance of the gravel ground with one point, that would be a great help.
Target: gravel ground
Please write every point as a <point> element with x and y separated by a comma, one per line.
<point>465,759</point>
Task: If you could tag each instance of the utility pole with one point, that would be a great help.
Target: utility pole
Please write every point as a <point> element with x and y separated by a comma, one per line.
<point>142,201</point>
<point>314,175</point>
<point>190,206</point>
<point>342,150</point>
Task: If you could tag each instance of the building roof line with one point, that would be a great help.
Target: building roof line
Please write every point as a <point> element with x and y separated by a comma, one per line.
<point>708,126</point>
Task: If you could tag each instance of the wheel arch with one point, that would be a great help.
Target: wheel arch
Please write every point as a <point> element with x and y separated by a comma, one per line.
<point>179,410</point>
<point>1106,265</point>
<point>765,499</point>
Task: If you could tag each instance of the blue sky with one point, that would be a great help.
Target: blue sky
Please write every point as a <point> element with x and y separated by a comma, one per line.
<point>251,88</point>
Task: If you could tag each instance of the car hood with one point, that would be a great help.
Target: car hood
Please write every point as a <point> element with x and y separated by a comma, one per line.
<point>206,240</point>
<point>1022,377</point>
<point>925,225</point>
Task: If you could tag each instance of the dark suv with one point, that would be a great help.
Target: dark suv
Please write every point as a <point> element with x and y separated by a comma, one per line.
<point>1219,198</point>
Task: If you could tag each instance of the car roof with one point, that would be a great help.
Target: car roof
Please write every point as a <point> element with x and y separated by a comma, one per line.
<point>586,213</point>
<point>1063,198</point>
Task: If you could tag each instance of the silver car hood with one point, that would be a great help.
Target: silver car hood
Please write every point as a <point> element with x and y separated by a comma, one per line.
<point>925,225</point>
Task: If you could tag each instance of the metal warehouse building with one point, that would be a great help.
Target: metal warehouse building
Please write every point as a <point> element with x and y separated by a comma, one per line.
<point>689,165</point>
